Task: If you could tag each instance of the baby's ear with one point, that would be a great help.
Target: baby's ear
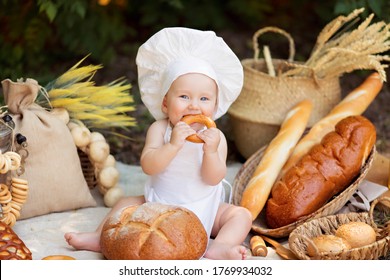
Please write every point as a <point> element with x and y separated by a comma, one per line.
<point>164,107</point>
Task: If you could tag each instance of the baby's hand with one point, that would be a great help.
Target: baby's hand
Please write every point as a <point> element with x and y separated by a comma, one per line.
<point>211,138</point>
<point>179,134</point>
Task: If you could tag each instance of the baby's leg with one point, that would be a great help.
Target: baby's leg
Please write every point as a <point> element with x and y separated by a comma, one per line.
<point>231,226</point>
<point>91,240</point>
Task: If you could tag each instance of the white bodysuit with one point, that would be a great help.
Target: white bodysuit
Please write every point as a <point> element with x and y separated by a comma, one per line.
<point>181,184</point>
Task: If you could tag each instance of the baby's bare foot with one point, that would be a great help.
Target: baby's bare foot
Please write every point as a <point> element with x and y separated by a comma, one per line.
<point>221,251</point>
<point>84,241</point>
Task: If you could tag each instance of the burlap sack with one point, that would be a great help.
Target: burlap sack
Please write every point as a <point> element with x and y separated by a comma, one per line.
<point>52,168</point>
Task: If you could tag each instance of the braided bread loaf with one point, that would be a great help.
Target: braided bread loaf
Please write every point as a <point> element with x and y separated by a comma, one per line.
<point>11,246</point>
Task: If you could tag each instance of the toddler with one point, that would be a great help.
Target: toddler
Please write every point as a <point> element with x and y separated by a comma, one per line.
<point>183,72</point>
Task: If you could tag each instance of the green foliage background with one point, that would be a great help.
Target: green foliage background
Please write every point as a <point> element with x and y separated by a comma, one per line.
<point>41,38</point>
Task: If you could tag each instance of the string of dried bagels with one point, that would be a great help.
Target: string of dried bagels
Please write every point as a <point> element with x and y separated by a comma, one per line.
<point>12,199</point>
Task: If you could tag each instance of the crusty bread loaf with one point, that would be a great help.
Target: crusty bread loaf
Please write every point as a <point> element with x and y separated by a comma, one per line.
<point>153,231</point>
<point>355,103</point>
<point>275,156</point>
<point>326,170</point>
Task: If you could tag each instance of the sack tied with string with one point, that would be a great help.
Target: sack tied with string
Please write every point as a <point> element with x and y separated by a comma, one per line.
<point>52,167</point>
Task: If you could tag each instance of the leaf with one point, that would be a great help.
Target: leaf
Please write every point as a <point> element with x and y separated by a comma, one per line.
<point>49,8</point>
<point>80,9</point>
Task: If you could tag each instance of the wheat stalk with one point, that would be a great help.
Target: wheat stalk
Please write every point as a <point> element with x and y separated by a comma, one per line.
<point>329,30</point>
<point>336,54</point>
<point>96,106</point>
<point>353,61</point>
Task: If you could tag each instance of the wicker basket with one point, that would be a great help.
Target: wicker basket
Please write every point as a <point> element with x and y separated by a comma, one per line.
<point>88,169</point>
<point>249,135</point>
<point>264,101</point>
<point>300,238</point>
<point>259,225</point>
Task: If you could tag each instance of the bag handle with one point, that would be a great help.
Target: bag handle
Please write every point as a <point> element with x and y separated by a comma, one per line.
<point>276,30</point>
<point>372,208</point>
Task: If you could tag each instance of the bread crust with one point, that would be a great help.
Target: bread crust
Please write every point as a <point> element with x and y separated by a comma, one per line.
<point>325,171</point>
<point>153,231</point>
<point>259,187</point>
<point>355,103</point>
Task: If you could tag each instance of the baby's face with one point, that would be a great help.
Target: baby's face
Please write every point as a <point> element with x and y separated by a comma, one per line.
<point>190,94</point>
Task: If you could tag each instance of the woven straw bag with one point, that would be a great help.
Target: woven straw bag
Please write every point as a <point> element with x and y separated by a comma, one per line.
<point>264,101</point>
<point>300,238</point>
<point>259,225</point>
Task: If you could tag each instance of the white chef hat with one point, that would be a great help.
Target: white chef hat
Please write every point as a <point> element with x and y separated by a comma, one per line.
<point>176,51</point>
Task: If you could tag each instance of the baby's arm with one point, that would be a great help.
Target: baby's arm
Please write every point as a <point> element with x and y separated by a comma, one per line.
<point>214,157</point>
<point>156,155</point>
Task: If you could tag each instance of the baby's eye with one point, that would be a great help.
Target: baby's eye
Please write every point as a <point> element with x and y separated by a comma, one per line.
<point>184,96</point>
<point>204,98</point>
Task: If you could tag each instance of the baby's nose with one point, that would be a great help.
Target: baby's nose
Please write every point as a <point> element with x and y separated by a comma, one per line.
<point>194,105</point>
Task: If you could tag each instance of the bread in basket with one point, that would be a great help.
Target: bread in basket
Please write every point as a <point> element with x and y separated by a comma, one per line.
<point>301,237</point>
<point>259,225</point>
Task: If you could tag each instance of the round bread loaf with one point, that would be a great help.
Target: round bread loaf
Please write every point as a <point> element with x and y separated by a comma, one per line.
<point>358,234</point>
<point>153,231</point>
<point>328,243</point>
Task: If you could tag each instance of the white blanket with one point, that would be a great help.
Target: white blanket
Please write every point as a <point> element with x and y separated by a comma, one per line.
<point>44,235</point>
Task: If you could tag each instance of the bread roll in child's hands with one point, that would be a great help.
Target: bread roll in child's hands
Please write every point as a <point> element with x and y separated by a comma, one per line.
<point>153,231</point>
<point>202,119</point>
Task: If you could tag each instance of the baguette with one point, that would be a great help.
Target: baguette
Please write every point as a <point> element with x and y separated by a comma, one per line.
<point>275,156</point>
<point>355,103</point>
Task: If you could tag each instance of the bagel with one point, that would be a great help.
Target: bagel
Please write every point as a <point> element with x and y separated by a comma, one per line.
<point>59,257</point>
<point>190,119</point>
